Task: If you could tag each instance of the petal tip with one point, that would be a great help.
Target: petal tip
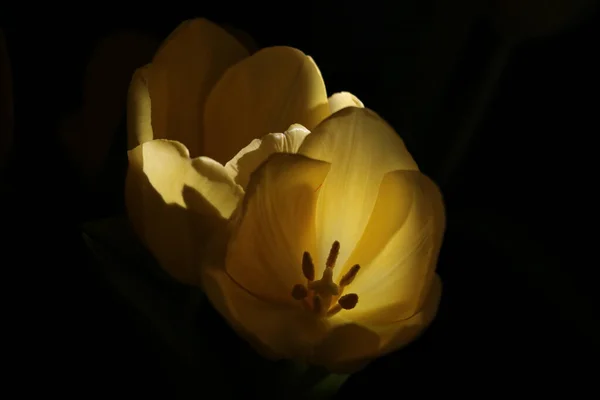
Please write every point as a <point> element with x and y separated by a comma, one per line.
<point>139,75</point>
<point>297,128</point>
<point>341,100</point>
<point>279,79</point>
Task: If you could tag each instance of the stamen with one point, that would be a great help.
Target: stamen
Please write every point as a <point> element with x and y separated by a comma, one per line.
<point>299,292</point>
<point>317,305</point>
<point>348,301</point>
<point>318,295</point>
<point>350,275</point>
<point>333,254</point>
<point>325,285</point>
<point>334,310</point>
<point>308,267</point>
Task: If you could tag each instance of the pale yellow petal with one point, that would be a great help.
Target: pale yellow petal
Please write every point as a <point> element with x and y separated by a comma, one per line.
<point>361,148</point>
<point>250,157</point>
<point>275,225</point>
<point>139,120</point>
<point>400,248</point>
<point>351,346</point>
<point>183,72</point>
<point>400,333</point>
<point>341,100</point>
<point>276,331</point>
<point>266,92</point>
<point>347,347</point>
<point>395,304</point>
<point>176,203</point>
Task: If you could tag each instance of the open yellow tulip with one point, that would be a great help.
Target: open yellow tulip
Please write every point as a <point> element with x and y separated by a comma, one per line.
<point>316,246</point>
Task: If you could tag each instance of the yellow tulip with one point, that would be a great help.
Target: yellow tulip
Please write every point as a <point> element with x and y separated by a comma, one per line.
<point>315,246</point>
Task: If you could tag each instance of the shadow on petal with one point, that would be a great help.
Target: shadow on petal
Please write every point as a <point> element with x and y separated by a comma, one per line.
<point>347,348</point>
<point>243,37</point>
<point>264,93</point>
<point>276,331</point>
<point>217,292</point>
<point>397,335</point>
<point>183,72</point>
<point>176,236</point>
<point>248,160</point>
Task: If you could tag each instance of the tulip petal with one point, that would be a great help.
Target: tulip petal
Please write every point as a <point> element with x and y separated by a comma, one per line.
<point>250,157</point>
<point>400,248</point>
<point>275,226</point>
<point>361,148</point>
<point>276,331</point>
<point>184,70</point>
<point>176,203</point>
<point>347,347</point>
<point>139,110</point>
<point>243,37</point>
<point>351,345</point>
<point>264,93</point>
<point>341,100</point>
<point>400,333</point>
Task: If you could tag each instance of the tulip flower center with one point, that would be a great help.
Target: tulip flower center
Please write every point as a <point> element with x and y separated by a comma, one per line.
<point>323,296</point>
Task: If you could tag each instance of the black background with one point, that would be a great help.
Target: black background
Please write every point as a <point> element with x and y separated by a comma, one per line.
<point>519,258</point>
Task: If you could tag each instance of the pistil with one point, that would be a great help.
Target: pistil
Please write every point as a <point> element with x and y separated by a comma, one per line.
<point>318,295</point>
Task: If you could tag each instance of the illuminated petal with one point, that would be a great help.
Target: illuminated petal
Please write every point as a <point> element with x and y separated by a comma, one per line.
<point>176,203</point>
<point>350,346</point>
<point>400,248</point>
<point>400,333</point>
<point>340,100</point>
<point>361,148</point>
<point>251,156</point>
<point>275,330</point>
<point>267,92</point>
<point>139,120</point>
<point>275,226</point>
<point>181,75</point>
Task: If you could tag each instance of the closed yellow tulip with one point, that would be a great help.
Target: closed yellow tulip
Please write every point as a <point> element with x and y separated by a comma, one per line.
<point>304,218</point>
